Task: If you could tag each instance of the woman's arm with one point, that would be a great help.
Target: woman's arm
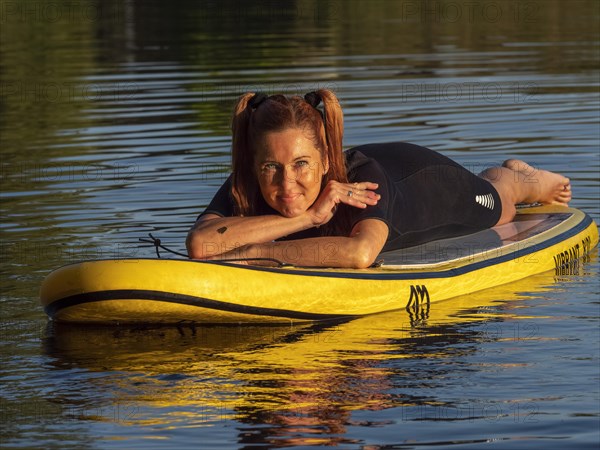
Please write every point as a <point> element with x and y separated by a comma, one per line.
<point>357,251</point>
<point>214,235</point>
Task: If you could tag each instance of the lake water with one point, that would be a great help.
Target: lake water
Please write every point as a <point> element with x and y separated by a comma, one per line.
<point>115,123</point>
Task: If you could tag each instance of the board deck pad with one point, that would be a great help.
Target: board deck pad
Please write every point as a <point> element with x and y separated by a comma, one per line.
<point>444,250</point>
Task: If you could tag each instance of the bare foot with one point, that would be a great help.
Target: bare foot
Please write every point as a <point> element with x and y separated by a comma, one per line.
<point>553,188</point>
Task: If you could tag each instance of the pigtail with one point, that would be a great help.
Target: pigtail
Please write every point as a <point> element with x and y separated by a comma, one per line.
<point>333,119</point>
<point>334,132</point>
<point>243,185</point>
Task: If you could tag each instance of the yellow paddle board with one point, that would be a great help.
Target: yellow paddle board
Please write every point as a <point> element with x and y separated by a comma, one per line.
<point>125,291</point>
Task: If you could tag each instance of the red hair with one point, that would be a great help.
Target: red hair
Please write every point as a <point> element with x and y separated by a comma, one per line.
<point>256,114</point>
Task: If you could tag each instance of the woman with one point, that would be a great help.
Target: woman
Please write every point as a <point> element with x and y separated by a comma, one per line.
<point>295,196</point>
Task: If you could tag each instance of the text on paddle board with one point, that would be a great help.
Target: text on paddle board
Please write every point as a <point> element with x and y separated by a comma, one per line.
<point>573,253</point>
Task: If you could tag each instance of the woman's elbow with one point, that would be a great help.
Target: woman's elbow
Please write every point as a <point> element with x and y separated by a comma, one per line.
<point>195,248</point>
<point>200,240</point>
<point>368,239</point>
<point>201,246</point>
<point>363,257</point>
<point>189,245</point>
<point>362,261</point>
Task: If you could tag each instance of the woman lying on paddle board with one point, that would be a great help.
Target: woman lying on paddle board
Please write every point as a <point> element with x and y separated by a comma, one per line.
<point>295,196</point>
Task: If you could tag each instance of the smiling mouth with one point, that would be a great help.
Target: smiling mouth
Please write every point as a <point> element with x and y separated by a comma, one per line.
<point>288,198</point>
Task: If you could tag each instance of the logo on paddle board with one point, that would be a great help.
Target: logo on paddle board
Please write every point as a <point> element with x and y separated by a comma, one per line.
<point>486,200</point>
<point>418,304</point>
<point>419,296</point>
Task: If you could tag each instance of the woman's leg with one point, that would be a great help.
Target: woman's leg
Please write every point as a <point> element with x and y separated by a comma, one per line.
<point>518,182</point>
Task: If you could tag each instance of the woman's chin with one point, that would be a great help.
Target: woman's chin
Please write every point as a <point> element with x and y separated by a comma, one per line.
<point>290,212</point>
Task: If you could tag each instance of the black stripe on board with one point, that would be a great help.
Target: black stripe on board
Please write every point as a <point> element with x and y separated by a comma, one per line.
<point>141,294</point>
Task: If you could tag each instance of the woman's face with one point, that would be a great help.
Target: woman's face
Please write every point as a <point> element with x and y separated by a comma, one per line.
<point>289,170</point>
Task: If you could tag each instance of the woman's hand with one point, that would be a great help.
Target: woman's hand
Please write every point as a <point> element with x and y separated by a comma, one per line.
<point>359,195</point>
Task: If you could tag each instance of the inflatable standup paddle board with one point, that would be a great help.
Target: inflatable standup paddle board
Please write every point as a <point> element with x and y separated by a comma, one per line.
<point>121,291</point>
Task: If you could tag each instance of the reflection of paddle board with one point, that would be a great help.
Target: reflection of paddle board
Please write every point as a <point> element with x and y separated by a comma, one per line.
<point>172,291</point>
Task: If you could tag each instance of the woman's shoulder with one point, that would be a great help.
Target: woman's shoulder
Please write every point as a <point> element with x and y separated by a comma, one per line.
<point>383,149</point>
<point>376,153</point>
<point>360,165</point>
<point>390,157</point>
<point>355,157</point>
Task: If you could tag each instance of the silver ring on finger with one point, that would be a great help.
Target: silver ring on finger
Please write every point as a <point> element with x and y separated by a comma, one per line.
<point>350,193</point>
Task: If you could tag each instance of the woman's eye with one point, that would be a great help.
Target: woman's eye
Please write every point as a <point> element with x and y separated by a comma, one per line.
<point>270,167</point>
<point>301,164</point>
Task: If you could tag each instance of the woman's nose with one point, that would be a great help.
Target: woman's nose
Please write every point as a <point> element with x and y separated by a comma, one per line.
<point>289,175</point>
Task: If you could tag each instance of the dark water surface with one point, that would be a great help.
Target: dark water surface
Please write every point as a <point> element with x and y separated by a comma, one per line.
<point>115,123</point>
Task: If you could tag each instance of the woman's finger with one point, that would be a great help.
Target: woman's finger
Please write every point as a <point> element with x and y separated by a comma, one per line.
<point>363,186</point>
<point>359,198</point>
<point>363,189</point>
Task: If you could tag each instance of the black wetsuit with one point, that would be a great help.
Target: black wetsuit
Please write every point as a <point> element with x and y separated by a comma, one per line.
<point>424,195</point>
